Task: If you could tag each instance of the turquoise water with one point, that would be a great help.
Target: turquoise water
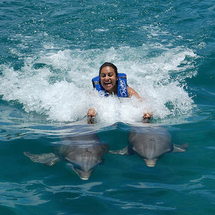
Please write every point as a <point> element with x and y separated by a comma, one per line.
<point>50,51</point>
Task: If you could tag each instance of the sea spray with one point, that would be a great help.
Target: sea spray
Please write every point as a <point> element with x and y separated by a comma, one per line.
<point>58,83</point>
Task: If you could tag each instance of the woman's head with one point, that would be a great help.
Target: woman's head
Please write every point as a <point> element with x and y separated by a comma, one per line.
<point>108,77</point>
<point>110,65</point>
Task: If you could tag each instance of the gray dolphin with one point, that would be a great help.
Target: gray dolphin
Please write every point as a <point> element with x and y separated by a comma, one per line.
<point>150,143</point>
<point>82,154</point>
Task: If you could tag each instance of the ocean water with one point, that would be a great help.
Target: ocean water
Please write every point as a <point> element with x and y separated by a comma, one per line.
<point>50,51</point>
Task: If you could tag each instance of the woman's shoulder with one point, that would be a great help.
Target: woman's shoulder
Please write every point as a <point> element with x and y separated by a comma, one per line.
<point>132,92</point>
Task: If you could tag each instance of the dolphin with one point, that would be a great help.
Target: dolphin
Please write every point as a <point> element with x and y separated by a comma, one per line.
<point>82,154</point>
<point>150,143</point>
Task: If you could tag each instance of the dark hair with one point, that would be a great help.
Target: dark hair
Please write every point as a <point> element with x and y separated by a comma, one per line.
<point>110,65</point>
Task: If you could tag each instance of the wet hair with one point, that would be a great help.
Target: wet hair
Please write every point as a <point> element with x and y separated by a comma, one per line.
<point>110,65</point>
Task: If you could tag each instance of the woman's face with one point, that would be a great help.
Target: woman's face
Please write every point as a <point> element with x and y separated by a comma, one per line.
<point>108,79</point>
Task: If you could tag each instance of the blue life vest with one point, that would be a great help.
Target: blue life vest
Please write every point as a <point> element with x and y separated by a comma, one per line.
<point>121,87</point>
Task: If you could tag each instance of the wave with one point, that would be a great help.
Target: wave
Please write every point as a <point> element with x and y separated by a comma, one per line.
<point>58,83</point>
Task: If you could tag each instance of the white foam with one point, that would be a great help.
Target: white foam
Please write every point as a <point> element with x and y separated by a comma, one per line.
<point>58,84</point>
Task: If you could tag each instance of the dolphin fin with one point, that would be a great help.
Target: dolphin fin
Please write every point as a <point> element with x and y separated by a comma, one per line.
<point>125,151</point>
<point>180,148</point>
<point>47,159</point>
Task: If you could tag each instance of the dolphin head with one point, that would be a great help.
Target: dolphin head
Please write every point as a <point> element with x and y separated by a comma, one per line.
<point>84,157</point>
<point>83,174</point>
<point>150,163</point>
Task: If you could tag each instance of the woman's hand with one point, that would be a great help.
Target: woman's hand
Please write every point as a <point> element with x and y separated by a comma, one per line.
<point>91,115</point>
<point>147,116</point>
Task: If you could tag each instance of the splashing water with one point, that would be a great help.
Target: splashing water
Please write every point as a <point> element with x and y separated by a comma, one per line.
<point>58,83</point>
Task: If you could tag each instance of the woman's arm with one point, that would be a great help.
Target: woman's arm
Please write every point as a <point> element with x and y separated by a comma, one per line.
<point>132,92</point>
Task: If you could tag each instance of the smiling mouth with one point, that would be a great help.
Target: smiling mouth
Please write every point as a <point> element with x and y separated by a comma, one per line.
<point>107,83</point>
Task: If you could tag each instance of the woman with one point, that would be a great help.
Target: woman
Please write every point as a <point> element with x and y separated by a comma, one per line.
<point>110,82</point>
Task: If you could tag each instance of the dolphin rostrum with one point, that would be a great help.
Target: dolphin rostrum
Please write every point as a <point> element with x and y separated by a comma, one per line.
<point>150,143</point>
<point>82,154</point>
